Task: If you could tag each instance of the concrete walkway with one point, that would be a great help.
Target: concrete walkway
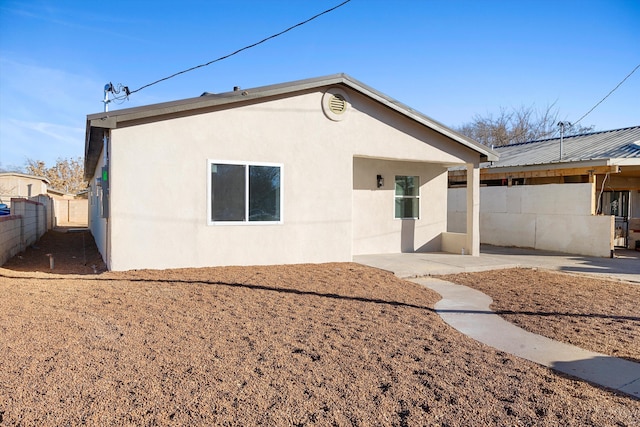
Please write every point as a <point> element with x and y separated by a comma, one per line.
<point>468,310</point>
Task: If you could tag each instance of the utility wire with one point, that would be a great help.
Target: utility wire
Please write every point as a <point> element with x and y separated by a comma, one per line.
<point>128,92</point>
<point>612,90</point>
<point>599,102</point>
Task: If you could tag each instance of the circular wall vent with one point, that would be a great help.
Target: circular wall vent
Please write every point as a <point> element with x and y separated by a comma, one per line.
<point>335,104</point>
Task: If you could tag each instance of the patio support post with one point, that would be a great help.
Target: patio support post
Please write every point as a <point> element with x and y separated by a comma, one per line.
<point>473,209</point>
<point>594,192</point>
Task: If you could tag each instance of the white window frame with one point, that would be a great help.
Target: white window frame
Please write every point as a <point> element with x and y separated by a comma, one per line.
<point>246,193</point>
<point>417,197</point>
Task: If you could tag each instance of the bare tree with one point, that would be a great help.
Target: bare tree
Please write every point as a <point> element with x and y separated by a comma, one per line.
<point>518,125</point>
<point>11,168</point>
<point>66,175</point>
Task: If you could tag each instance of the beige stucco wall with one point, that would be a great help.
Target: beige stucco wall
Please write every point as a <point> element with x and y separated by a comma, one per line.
<point>19,185</point>
<point>159,181</point>
<point>374,227</point>
<point>552,217</point>
<point>97,224</point>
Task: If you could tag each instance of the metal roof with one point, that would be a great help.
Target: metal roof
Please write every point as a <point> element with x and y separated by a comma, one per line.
<point>606,147</point>
<point>206,102</point>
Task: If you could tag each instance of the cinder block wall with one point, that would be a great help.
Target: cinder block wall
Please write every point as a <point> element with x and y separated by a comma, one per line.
<point>10,237</point>
<point>553,217</point>
<point>79,212</point>
<point>72,212</point>
<point>28,221</point>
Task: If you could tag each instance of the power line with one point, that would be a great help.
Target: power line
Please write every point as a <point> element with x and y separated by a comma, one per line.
<point>602,100</point>
<point>595,106</point>
<point>128,92</point>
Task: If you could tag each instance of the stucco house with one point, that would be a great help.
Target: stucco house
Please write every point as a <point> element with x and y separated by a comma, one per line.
<point>309,171</point>
<point>20,185</point>
<point>578,194</point>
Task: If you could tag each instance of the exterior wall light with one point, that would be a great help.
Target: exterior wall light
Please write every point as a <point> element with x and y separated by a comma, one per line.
<point>380,181</point>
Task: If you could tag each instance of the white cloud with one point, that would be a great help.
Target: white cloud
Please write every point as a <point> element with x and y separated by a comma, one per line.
<point>60,133</point>
<point>22,140</point>
<point>43,111</point>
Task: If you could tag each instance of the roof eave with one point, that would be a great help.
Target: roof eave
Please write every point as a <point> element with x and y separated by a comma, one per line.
<point>554,166</point>
<point>92,149</point>
<point>113,119</point>
<point>24,175</point>
<point>486,153</point>
<point>628,161</point>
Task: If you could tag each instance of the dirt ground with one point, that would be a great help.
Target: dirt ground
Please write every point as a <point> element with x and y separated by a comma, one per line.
<point>329,344</point>
<point>73,249</point>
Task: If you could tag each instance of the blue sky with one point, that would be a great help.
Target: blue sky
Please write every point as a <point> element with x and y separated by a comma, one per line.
<point>450,60</point>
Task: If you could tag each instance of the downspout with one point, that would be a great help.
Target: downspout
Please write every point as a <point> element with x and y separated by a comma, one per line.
<point>105,194</point>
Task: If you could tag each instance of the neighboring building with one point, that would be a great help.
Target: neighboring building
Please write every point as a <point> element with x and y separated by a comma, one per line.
<point>72,210</point>
<point>585,200</point>
<point>20,185</point>
<point>311,171</point>
<point>29,215</point>
<point>60,195</point>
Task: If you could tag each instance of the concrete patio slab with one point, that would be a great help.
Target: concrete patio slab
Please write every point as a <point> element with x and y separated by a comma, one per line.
<point>624,266</point>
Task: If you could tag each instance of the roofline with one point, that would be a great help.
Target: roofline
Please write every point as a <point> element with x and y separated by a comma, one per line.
<point>24,175</point>
<point>555,165</point>
<point>620,162</point>
<point>61,192</point>
<point>419,117</point>
<point>116,118</point>
<point>567,137</point>
<point>625,161</point>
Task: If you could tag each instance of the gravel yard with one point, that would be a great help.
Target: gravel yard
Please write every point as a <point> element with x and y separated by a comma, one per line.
<point>301,345</point>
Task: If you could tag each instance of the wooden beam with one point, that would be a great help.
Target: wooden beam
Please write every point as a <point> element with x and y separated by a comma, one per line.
<point>489,174</point>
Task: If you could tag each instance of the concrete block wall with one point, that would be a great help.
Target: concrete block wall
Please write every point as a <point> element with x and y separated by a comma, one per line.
<point>74,212</point>
<point>48,211</point>
<point>79,212</point>
<point>32,219</point>
<point>28,221</point>
<point>554,217</point>
<point>10,237</point>
<point>634,232</point>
